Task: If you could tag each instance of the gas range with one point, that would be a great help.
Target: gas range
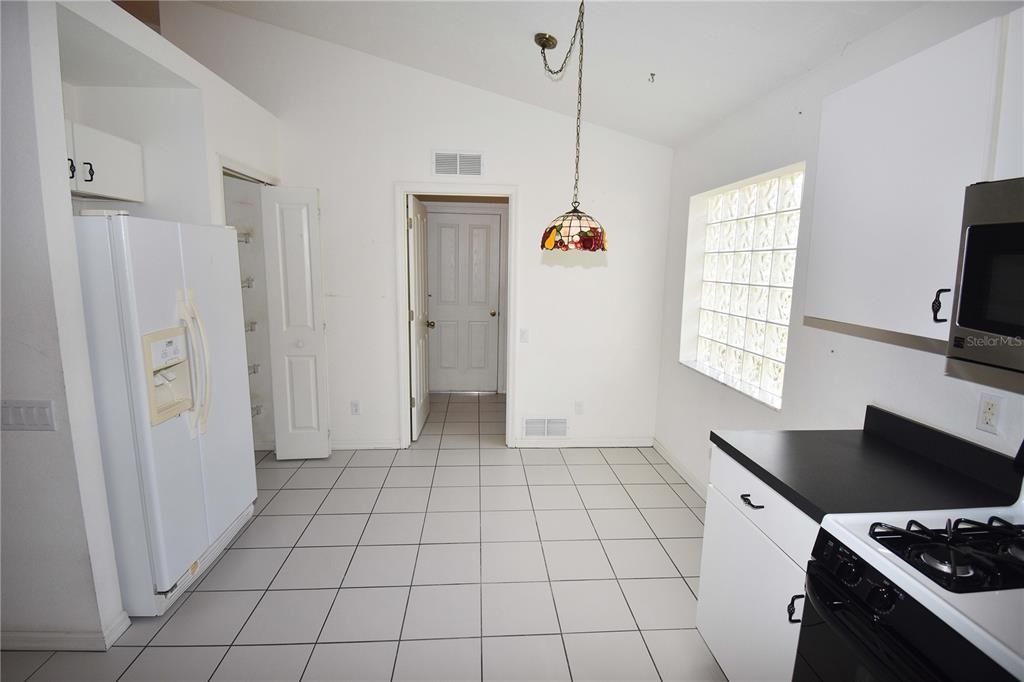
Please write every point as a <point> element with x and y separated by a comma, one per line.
<point>962,565</point>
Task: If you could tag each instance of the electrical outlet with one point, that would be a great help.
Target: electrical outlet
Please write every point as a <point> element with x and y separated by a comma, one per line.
<point>524,336</point>
<point>990,409</point>
<point>579,407</point>
<point>354,405</point>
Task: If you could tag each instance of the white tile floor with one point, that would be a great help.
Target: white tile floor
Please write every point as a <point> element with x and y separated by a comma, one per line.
<point>457,559</point>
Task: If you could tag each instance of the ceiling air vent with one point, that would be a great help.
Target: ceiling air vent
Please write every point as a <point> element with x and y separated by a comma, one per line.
<point>546,428</point>
<point>454,163</point>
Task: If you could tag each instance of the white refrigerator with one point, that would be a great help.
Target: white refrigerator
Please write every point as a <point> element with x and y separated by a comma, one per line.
<point>163,309</point>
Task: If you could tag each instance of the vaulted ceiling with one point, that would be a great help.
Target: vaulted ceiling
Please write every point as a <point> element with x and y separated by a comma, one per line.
<point>709,58</point>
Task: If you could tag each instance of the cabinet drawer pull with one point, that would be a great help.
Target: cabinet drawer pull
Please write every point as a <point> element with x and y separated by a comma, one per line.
<point>937,306</point>
<point>92,173</point>
<point>791,609</point>
<point>746,500</point>
<point>71,168</point>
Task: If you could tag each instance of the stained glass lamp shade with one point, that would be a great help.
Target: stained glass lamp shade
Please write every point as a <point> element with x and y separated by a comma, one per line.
<point>574,230</point>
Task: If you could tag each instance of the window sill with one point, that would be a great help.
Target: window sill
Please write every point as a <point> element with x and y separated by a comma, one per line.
<point>756,394</point>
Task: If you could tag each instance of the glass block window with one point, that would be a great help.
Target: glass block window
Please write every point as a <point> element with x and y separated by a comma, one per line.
<point>747,266</point>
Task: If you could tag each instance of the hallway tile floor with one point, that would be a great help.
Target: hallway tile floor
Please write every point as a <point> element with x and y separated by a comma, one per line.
<point>457,559</point>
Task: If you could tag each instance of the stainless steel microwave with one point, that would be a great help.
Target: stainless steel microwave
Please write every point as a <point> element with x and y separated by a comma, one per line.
<point>987,324</point>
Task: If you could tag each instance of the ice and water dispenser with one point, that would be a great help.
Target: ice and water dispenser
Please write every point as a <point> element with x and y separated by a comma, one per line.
<point>168,372</point>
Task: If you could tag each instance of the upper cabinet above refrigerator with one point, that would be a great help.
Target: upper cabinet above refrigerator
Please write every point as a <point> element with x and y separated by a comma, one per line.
<point>101,165</point>
<point>896,152</point>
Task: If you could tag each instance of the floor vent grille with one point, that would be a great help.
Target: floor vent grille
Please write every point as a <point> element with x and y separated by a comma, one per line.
<point>546,428</point>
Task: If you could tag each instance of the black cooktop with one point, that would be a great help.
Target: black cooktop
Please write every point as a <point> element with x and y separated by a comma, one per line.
<point>965,556</point>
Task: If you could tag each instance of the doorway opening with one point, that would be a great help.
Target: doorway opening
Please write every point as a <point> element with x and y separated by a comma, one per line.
<point>278,232</point>
<point>242,211</point>
<point>457,265</point>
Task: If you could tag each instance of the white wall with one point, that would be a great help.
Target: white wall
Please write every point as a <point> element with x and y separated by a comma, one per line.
<point>356,125</point>
<point>56,539</point>
<point>830,377</point>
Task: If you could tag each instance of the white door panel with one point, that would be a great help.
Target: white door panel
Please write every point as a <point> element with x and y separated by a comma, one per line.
<point>295,310</point>
<point>210,259</point>
<point>169,457</point>
<point>419,359</point>
<point>464,251</point>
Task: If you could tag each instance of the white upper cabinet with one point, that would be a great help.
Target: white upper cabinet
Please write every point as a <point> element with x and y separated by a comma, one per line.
<point>896,152</point>
<point>1009,159</point>
<point>105,166</point>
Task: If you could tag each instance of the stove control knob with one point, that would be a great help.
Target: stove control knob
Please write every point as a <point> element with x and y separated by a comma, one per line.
<point>881,599</point>
<point>849,573</point>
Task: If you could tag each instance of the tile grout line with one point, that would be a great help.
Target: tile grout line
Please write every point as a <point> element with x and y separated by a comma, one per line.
<point>54,653</point>
<point>547,569</point>
<point>277,573</point>
<point>416,558</point>
<point>615,573</point>
<point>350,559</point>
<point>660,544</point>
<point>480,517</point>
<point>658,537</point>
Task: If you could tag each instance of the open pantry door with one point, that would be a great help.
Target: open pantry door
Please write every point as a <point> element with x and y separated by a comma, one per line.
<point>295,311</point>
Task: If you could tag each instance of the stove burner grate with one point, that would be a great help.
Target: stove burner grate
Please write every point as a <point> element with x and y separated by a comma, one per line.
<point>965,556</point>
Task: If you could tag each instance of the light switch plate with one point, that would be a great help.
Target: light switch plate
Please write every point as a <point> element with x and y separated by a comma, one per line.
<point>28,415</point>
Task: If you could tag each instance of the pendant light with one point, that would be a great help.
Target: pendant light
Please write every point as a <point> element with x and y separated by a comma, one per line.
<point>574,229</point>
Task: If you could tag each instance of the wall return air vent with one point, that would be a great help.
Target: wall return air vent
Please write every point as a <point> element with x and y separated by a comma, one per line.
<point>546,428</point>
<point>457,163</point>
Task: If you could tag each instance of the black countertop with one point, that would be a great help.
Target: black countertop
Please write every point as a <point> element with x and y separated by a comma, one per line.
<point>893,464</point>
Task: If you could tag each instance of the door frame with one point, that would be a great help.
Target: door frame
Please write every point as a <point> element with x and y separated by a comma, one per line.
<point>403,363</point>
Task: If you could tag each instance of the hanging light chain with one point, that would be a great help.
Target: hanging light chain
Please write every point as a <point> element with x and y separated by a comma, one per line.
<point>578,33</point>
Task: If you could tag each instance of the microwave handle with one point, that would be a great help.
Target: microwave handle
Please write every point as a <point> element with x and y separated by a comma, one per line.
<point>937,305</point>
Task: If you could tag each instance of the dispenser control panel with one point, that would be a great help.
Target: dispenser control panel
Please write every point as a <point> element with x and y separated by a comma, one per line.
<point>168,373</point>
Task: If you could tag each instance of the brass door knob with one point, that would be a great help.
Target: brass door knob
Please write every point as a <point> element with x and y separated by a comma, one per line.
<point>494,313</point>
<point>431,324</point>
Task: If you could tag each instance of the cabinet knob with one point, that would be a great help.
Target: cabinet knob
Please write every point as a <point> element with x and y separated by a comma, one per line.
<point>937,305</point>
<point>92,173</point>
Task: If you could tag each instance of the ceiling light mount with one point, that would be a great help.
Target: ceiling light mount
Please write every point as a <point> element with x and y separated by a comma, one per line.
<point>545,41</point>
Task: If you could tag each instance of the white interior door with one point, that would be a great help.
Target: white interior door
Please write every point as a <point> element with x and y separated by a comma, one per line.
<point>464,259</point>
<point>419,360</point>
<point>298,354</point>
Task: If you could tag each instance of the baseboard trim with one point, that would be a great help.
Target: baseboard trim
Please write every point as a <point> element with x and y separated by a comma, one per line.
<point>66,641</point>
<point>364,445</point>
<point>31,640</point>
<point>116,628</point>
<point>634,442</point>
<point>693,481</point>
<point>263,445</point>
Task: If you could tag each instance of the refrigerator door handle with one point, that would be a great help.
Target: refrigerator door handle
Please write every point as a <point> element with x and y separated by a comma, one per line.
<point>204,407</point>
<point>186,313</point>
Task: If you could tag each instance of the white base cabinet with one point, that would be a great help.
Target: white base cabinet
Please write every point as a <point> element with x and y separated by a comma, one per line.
<point>102,165</point>
<point>753,566</point>
<point>746,583</point>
